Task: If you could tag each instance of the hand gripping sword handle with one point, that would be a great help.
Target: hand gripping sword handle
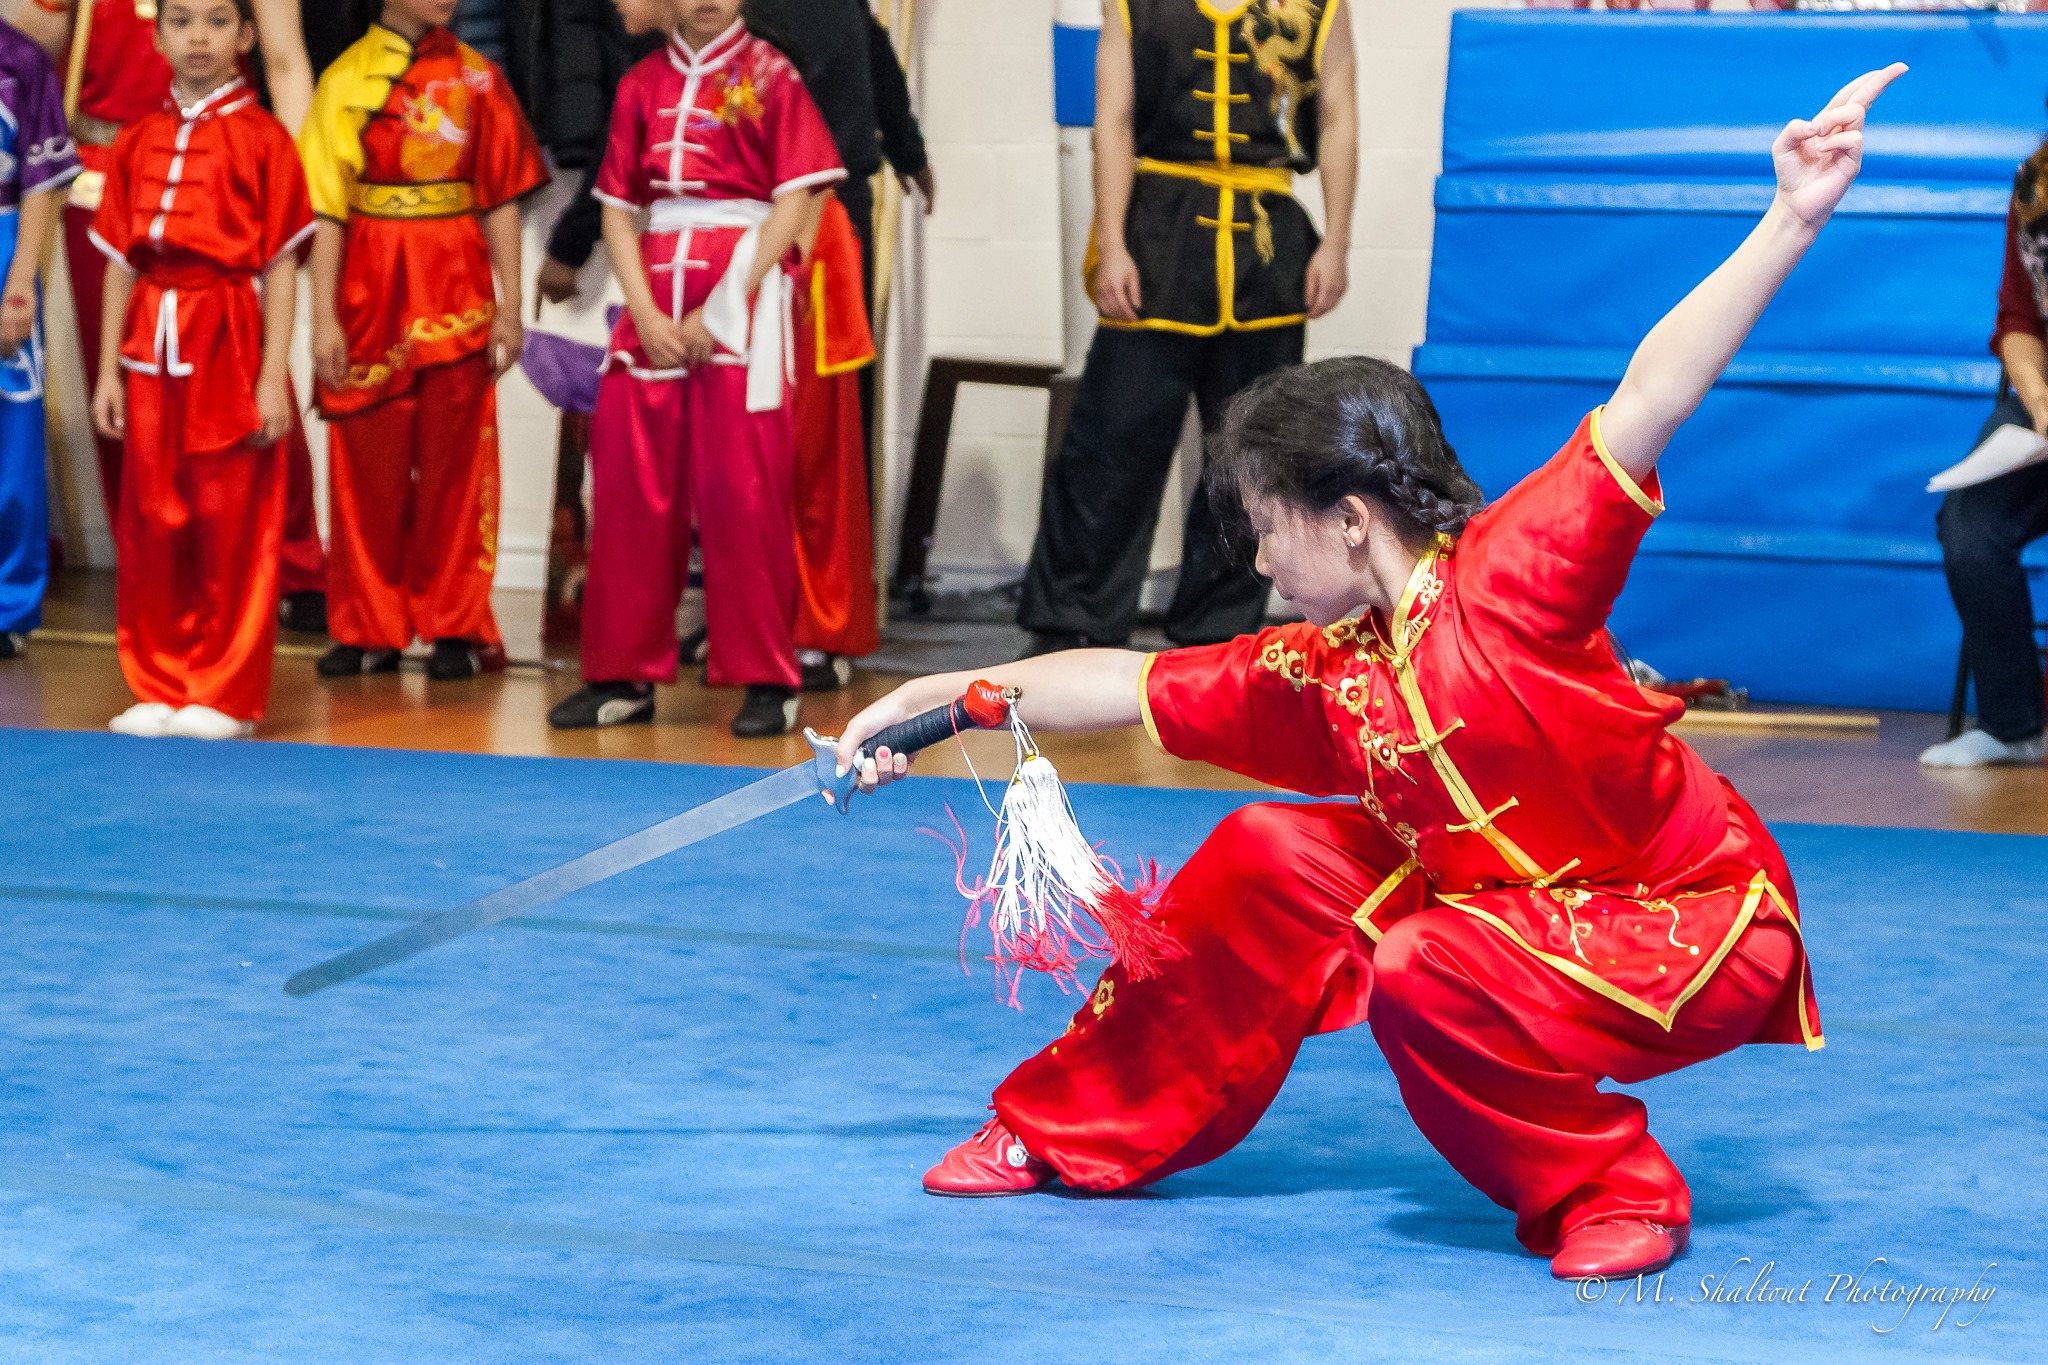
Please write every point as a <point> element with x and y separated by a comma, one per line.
<point>984,706</point>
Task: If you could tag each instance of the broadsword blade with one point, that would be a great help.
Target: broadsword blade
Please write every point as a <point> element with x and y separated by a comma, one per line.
<point>750,802</point>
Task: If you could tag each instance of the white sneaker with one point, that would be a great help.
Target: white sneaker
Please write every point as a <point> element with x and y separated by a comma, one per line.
<point>203,722</point>
<point>145,719</point>
<point>1975,749</point>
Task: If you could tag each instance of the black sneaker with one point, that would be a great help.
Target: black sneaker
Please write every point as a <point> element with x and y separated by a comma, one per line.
<point>768,711</point>
<point>827,673</point>
<point>349,661</point>
<point>453,660</point>
<point>695,648</point>
<point>303,612</point>
<point>602,704</point>
<point>13,644</point>
<point>1053,641</point>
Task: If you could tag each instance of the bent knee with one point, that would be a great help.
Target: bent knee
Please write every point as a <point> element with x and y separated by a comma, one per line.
<point>1414,951</point>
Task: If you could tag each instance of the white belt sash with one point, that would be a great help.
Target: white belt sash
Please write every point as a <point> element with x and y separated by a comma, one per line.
<point>767,339</point>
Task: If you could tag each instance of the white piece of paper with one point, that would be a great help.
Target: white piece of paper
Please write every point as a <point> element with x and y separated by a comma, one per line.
<point>2004,450</point>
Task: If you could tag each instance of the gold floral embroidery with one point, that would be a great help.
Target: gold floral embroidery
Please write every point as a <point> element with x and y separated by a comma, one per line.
<point>1105,996</point>
<point>740,102</point>
<point>422,332</point>
<point>487,518</point>
<point>1664,907</point>
<point>1351,694</point>
<point>1381,748</point>
<point>1288,663</point>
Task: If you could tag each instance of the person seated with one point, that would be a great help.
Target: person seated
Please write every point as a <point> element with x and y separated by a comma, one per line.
<point>1984,527</point>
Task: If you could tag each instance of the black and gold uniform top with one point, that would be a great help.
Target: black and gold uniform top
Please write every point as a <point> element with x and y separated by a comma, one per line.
<point>1225,112</point>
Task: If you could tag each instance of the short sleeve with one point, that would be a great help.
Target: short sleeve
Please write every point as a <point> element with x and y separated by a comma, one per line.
<point>49,156</point>
<point>113,223</point>
<point>801,153</point>
<point>287,211</point>
<point>1551,556</point>
<point>620,180</point>
<point>2018,309</point>
<point>1252,705</point>
<point>508,162</point>
<point>331,146</point>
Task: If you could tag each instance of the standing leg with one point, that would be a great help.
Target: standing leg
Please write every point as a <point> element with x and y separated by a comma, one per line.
<point>1102,493</point>
<point>370,482</point>
<point>639,531</point>
<point>1219,596</point>
<point>741,471</point>
<point>1499,1058</point>
<point>1983,529</point>
<point>155,595</point>
<point>238,517</point>
<point>87,267</point>
<point>302,567</point>
<point>452,553</point>
<point>1154,1076</point>
<point>24,518</point>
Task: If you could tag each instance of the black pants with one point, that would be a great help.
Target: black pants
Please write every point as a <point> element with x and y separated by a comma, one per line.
<point>1103,491</point>
<point>857,195</point>
<point>1983,529</point>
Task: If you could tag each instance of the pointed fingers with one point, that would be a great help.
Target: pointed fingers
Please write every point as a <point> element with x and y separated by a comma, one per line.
<point>1868,86</point>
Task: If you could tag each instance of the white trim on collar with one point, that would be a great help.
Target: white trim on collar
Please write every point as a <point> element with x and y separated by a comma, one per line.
<point>712,55</point>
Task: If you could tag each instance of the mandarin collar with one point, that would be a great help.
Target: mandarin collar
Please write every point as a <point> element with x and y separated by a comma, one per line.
<point>712,55</point>
<point>219,100</point>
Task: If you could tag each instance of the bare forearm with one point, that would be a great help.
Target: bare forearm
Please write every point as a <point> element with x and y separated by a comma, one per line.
<point>1116,156</point>
<point>114,294</point>
<point>286,68</point>
<point>623,244</point>
<point>325,268</point>
<point>1337,154</point>
<point>2026,364</point>
<point>1686,352</point>
<point>280,303</point>
<point>1078,689</point>
<point>779,234</point>
<point>501,237</point>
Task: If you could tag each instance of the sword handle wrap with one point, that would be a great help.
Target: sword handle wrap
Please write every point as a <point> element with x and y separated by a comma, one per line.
<point>984,706</point>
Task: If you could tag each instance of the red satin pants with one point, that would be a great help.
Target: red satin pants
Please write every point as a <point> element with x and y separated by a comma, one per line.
<point>665,453</point>
<point>196,579</point>
<point>414,517</point>
<point>304,563</point>
<point>1498,1056</point>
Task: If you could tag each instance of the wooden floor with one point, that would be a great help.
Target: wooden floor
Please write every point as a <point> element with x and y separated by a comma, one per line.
<point>1861,777</point>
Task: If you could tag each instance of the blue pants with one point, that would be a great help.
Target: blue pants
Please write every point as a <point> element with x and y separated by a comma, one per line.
<point>24,500</point>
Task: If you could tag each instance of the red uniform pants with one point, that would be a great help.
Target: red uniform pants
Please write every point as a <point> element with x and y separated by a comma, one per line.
<point>665,452</point>
<point>304,563</point>
<point>414,517</point>
<point>1498,1056</point>
<point>196,580</point>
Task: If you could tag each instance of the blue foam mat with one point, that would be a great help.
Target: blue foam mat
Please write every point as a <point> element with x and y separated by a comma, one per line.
<point>682,1116</point>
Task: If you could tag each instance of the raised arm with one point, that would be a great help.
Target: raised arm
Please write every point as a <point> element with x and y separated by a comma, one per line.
<point>1816,160</point>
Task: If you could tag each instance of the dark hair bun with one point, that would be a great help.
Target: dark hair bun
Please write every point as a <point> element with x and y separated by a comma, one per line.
<point>1311,435</point>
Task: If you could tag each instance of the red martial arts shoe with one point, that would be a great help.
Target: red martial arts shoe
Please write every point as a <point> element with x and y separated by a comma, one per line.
<point>992,1162</point>
<point>1618,1249</point>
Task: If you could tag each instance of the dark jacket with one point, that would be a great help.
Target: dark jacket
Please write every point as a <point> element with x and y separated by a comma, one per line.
<point>850,68</point>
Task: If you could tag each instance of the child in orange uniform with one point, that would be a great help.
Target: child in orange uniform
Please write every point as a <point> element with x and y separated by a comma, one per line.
<point>416,153</point>
<point>203,214</point>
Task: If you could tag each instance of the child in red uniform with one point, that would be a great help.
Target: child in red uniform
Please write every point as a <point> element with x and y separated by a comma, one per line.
<point>417,154</point>
<point>1530,885</point>
<point>716,138</point>
<point>203,214</point>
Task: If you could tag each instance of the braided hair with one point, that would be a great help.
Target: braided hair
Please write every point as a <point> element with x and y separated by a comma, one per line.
<point>1312,434</point>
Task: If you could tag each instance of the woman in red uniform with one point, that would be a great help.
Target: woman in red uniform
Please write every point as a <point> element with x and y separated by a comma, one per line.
<point>417,154</point>
<point>1530,886</point>
<point>202,217</point>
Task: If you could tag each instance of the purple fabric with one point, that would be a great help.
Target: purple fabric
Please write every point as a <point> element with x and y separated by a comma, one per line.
<point>564,371</point>
<point>40,149</point>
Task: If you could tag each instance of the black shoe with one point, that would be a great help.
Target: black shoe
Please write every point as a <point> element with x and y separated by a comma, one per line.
<point>349,661</point>
<point>695,648</point>
<point>453,660</point>
<point>603,704</point>
<point>304,612</point>
<point>828,674</point>
<point>13,644</point>
<point>1053,641</point>
<point>768,711</point>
